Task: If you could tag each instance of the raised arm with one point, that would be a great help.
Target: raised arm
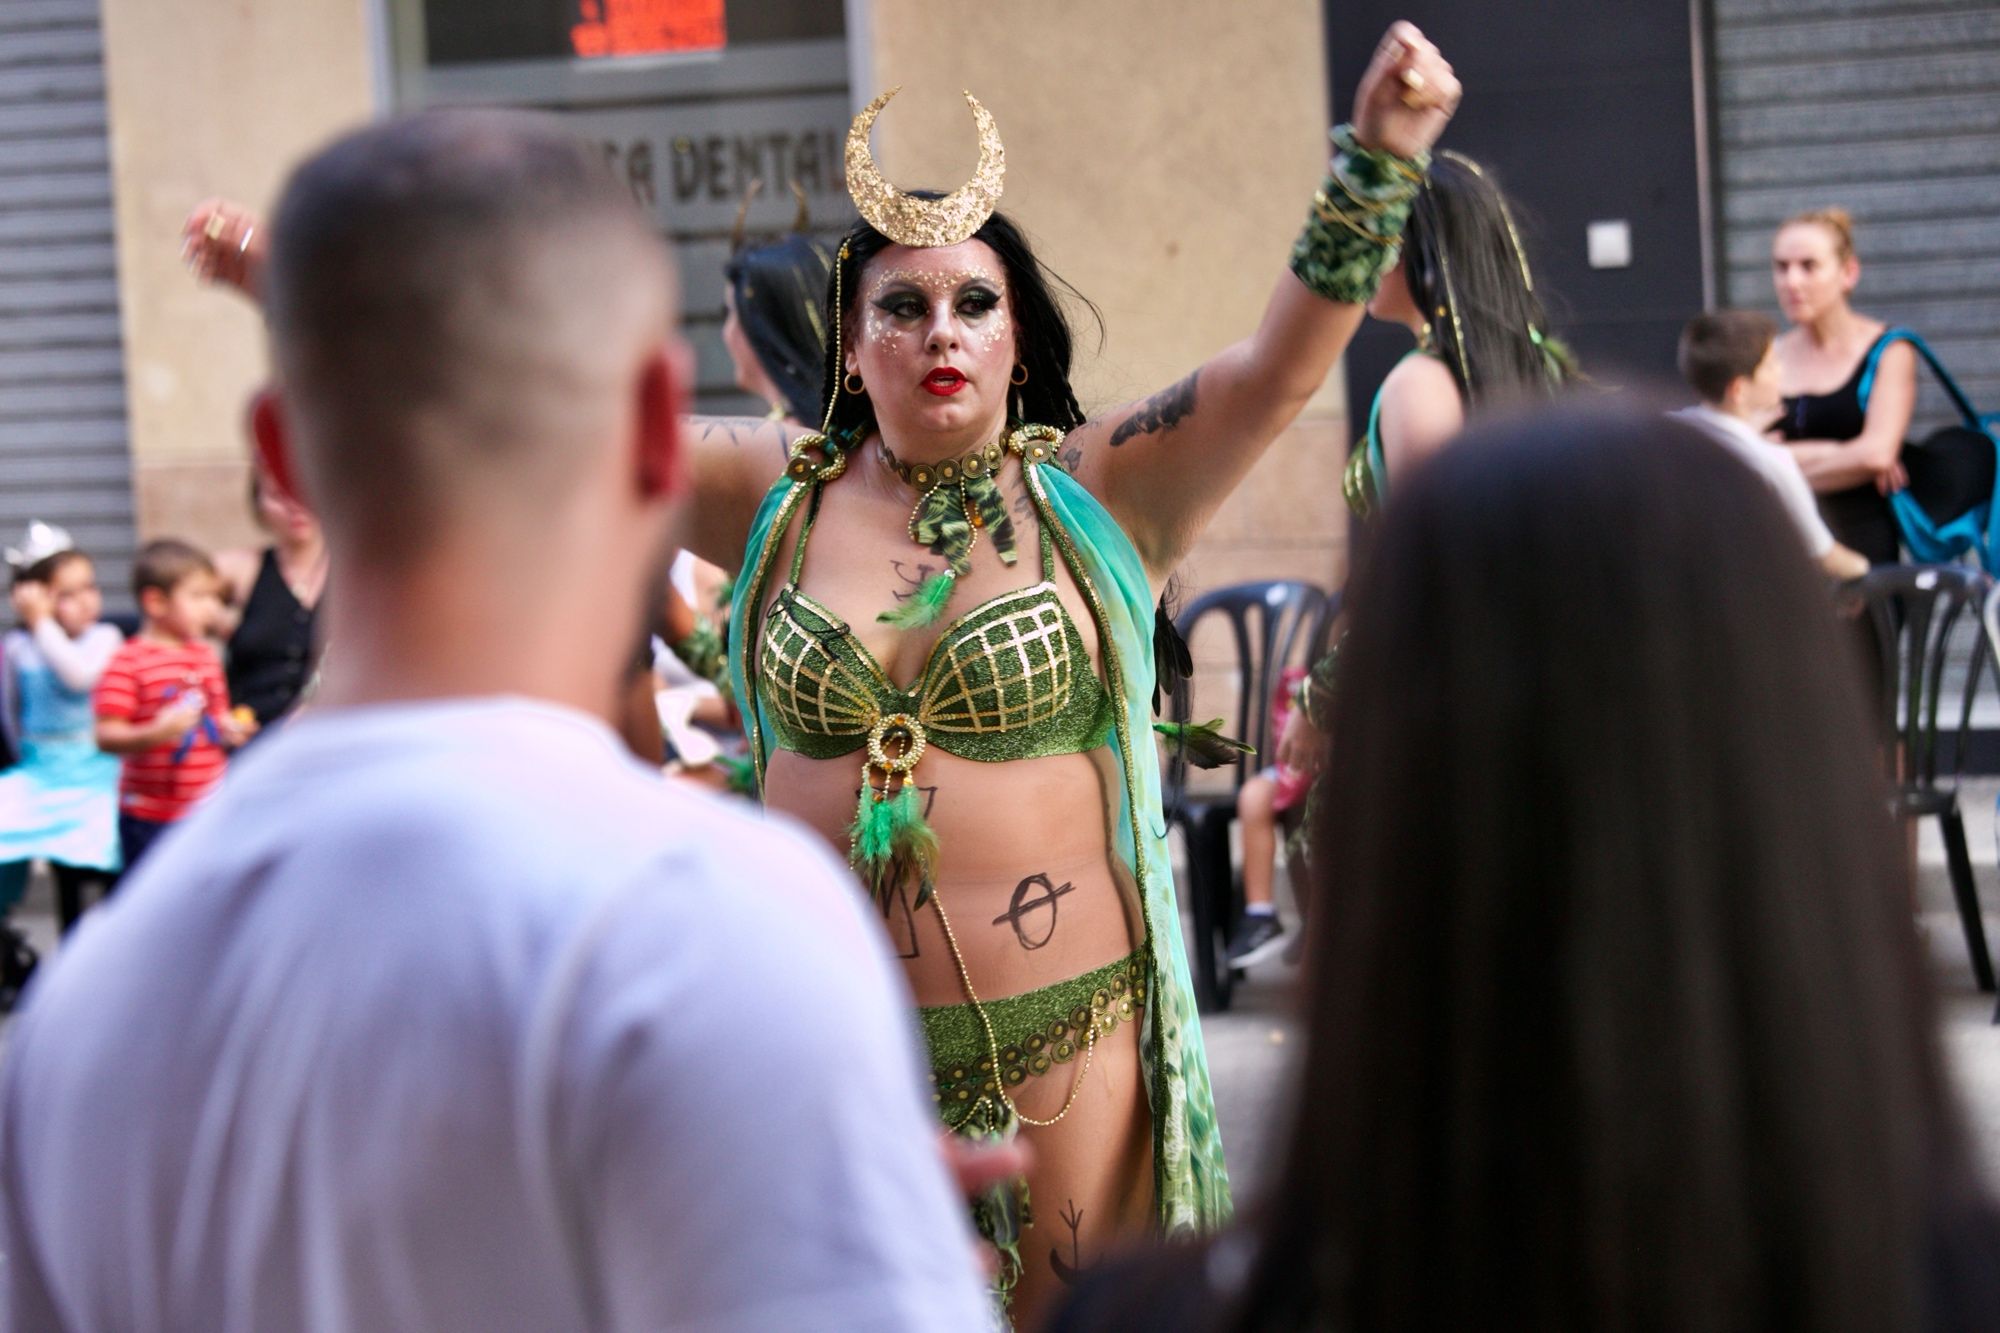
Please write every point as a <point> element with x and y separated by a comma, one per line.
<point>734,459</point>
<point>77,662</point>
<point>1835,465</point>
<point>1163,466</point>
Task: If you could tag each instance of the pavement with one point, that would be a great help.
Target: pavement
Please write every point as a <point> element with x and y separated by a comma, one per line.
<point>1252,1046</point>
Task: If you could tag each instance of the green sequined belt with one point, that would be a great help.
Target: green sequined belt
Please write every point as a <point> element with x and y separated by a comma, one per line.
<point>1035,1032</point>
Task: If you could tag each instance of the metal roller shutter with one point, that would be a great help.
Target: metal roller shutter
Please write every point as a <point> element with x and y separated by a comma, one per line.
<point>1890,109</point>
<point>63,451</point>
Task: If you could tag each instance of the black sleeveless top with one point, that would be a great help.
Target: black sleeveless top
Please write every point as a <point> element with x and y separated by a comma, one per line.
<point>271,652</point>
<point>1859,516</point>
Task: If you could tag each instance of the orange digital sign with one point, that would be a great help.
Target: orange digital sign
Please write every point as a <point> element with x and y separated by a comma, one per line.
<point>646,27</point>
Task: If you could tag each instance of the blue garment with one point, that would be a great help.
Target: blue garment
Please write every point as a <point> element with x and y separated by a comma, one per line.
<point>60,803</point>
<point>1977,529</point>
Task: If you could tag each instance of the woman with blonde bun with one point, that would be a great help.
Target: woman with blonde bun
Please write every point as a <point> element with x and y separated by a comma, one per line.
<point>1848,438</point>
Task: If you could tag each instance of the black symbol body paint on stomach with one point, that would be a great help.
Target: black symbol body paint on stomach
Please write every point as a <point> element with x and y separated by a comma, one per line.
<point>1069,1270</point>
<point>899,918</point>
<point>1024,913</point>
<point>901,921</point>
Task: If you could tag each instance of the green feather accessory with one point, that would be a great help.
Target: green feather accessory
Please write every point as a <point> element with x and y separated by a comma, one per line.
<point>703,652</point>
<point>892,843</point>
<point>958,499</point>
<point>925,605</point>
<point>741,774</point>
<point>1203,744</point>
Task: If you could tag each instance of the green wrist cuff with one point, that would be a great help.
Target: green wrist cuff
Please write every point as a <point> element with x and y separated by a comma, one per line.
<point>1373,174</point>
<point>1354,232</point>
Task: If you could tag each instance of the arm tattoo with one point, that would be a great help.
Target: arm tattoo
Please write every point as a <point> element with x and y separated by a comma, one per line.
<point>1162,412</point>
<point>1072,458</point>
<point>739,431</point>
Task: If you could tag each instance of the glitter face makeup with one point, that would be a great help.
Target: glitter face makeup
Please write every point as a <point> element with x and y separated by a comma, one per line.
<point>935,344</point>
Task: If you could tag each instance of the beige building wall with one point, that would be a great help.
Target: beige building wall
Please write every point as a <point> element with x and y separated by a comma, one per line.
<point>1160,152</point>
<point>1162,155</point>
<point>209,97</point>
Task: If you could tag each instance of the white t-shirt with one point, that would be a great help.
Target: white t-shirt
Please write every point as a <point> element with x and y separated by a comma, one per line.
<point>1775,464</point>
<point>450,1016</point>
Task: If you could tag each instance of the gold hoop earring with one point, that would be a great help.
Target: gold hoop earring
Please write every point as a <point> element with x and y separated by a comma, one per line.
<point>1020,375</point>
<point>852,383</point>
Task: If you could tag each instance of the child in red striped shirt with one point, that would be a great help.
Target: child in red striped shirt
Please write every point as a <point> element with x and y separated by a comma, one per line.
<point>162,704</point>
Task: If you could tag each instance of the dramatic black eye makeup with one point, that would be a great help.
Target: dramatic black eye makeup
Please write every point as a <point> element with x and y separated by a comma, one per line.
<point>904,304</point>
<point>909,295</point>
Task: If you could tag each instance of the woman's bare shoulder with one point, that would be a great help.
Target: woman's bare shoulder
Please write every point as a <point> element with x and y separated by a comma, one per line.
<point>1419,374</point>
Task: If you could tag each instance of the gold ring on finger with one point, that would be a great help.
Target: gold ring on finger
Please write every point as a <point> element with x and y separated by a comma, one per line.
<point>217,224</point>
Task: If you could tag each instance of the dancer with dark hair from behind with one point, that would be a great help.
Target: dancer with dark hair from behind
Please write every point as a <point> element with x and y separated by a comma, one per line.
<point>774,323</point>
<point>1615,1015</point>
<point>1850,453</point>
<point>1466,292</point>
<point>1727,357</point>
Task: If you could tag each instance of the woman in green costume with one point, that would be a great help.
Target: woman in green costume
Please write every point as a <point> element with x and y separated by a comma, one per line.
<point>1466,293</point>
<point>942,642</point>
<point>943,638</point>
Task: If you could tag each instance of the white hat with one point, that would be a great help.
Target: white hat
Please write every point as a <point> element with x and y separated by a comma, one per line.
<point>43,541</point>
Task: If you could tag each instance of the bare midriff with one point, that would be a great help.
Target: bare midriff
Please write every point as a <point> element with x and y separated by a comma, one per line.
<point>1025,870</point>
<point>1026,874</point>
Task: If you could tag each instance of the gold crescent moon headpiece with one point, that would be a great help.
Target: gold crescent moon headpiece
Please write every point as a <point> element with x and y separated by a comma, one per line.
<point>908,220</point>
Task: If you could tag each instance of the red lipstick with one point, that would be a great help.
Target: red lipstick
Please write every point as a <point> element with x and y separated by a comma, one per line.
<point>944,381</point>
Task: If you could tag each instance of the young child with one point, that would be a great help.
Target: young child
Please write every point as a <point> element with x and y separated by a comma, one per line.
<point>1727,358</point>
<point>162,703</point>
<point>61,803</point>
<point>1261,804</point>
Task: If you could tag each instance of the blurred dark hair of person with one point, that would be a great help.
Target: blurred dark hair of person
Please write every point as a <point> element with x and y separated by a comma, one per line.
<point>773,324</point>
<point>1616,1015</point>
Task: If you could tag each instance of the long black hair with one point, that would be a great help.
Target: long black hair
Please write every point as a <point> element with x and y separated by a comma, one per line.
<point>1469,276</point>
<point>778,287</point>
<point>1616,1015</point>
<point>1043,341</point>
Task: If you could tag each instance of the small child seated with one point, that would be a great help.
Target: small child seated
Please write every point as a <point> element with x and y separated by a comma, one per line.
<point>162,703</point>
<point>1265,798</point>
<point>1727,358</point>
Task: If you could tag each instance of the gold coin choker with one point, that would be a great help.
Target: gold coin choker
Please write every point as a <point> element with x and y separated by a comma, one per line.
<point>928,476</point>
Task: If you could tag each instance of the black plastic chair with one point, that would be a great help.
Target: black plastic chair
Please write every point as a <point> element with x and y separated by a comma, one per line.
<point>1274,623</point>
<point>1913,610</point>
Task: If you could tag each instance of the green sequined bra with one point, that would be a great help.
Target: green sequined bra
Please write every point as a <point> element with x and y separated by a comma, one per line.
<point>1009,679</point>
